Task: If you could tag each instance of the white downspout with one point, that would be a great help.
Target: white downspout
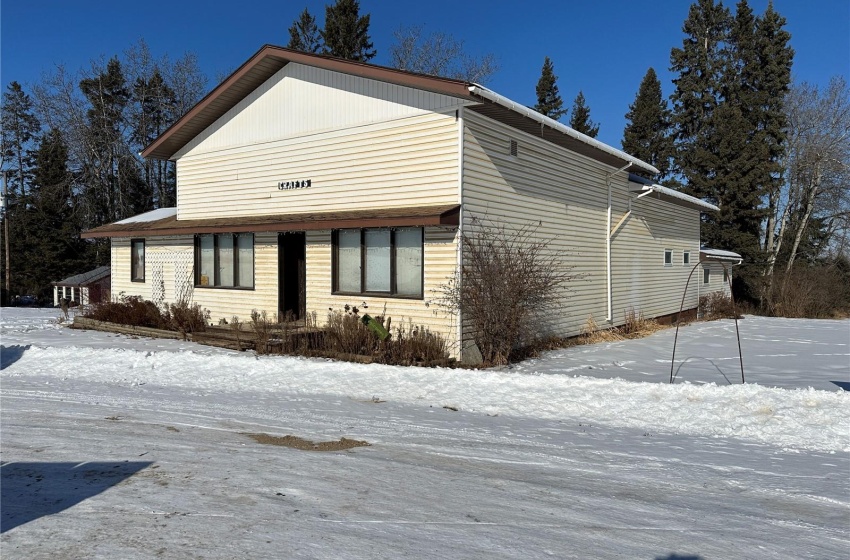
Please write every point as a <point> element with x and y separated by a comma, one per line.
<point>609,290</point>
<point>460,156</point>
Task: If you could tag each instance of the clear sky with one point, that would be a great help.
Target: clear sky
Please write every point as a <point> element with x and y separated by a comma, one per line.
<point>601,47</point>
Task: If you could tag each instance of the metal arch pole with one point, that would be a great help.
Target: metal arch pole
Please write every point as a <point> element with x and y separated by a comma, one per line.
<point>679,320</point>
<point>735,313</point>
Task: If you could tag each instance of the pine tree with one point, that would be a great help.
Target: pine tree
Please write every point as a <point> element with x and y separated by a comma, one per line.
<point>53,249</point>
<point>154,103</point>
<point>19,128</point>
<point>647,135</point>
<point>549,101</point>
<point>580,117</point>
<point>700,66</point>
<point>304,34</point>
<point>346,33</point>
<point>106,194</point>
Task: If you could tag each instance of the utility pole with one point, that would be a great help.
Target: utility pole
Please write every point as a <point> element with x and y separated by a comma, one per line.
<point>6,234</point>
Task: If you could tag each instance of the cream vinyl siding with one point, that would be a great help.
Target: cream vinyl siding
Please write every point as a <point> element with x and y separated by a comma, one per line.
<point>177,257</point>
<point>715,280</point>
<point>405,162</point>
<point>299,100</point>
<point>440,257</point>
<point>565,193</point>
<point>641,281</point>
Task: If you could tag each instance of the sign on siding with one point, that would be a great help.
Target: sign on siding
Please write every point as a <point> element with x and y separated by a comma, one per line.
<point>298,184</point>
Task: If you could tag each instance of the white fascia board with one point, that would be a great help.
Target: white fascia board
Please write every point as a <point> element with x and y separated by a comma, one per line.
<point>666,191</point>
<point>490,95</point>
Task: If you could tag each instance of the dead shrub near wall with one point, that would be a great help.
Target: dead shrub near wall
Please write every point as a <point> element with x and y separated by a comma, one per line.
<point>716,305</point>
<point>511,283</point>
<point>186,318</point>
<point>635,325</point>
<point>128,310</point>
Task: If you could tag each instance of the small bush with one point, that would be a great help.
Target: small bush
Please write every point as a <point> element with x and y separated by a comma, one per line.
<point>413,344</point>
<point>186,318</point>
<point>716,305</point>
<point>128,310</point>
<point>635,325</point>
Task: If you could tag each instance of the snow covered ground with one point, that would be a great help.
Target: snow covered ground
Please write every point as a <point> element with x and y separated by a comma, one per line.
<point>131,448</point>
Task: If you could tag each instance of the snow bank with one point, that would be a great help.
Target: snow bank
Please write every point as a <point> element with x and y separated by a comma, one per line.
<point>794,419</point>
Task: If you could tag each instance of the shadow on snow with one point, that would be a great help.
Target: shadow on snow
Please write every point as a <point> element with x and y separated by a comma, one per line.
<point>32,490</point>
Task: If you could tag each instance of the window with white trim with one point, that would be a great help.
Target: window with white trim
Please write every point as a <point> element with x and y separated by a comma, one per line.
<point>686,258</point>
<point>224,260</point>
<point>378,261</point>
<point>668,257</point>
<point>706,276</point>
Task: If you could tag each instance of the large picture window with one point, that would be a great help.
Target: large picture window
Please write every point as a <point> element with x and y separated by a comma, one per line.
<point>224,260</point>
<point>137,260</point>
<point>378,261</point>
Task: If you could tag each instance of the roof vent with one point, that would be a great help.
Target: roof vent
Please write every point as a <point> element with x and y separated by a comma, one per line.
<point>514,148</point>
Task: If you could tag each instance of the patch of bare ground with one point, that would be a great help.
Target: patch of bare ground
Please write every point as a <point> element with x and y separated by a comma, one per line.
<point>296,442</point>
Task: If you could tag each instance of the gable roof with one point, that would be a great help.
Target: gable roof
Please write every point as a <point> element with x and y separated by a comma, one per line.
<point>85,278</point>
<point>269,59</point>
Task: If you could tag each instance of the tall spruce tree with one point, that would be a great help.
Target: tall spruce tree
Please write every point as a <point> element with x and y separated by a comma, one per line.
<point>580,117</point>
<point>700,64</point>
<point>346,32</point>
<point>54,248</point>
<point>20,127</point>
<point>647,135</point>
<point>549,100</point>
<point>304,34</point>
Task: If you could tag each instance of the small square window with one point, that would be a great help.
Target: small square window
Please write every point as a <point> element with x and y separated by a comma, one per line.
<point>137,260</point>
<point>686,258</point>
<point>706,276</point>
<point>668,257</point>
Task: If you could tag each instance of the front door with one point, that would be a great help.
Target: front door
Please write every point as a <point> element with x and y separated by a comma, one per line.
<point>292,273</point>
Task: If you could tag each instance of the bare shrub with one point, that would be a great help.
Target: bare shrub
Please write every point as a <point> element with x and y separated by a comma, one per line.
<point>263,330</point>
<point>811,291</point>
<point>186,318</point>
<point>716,305</point>
<point>414,344</point>
<point>128,310</point>
<point>510,283</point>
<point>346,333</point>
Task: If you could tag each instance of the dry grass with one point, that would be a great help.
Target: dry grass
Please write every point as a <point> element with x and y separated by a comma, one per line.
<point>635,325</point>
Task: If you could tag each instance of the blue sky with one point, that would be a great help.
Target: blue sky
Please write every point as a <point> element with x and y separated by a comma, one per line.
<point>601,47</point>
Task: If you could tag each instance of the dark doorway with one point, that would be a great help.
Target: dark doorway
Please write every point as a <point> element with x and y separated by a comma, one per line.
<point>292,276</point>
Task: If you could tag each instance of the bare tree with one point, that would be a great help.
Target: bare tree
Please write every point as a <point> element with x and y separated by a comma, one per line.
<point>817,171</point>
<point>439,54</point>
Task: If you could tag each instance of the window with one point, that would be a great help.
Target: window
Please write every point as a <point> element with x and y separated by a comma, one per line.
<point>137,260</point>
<point>706,275</point>
<point>668,257</point>
<point>686,258</point>
<point>224,260</point>
<point>378,261</point>
<point>725,276</point>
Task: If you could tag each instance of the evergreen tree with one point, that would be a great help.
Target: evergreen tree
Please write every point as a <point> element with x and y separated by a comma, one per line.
<point>549,101</point>
<point>154,103</point>
<point>580,117</point>
<point>346,33</point>
<point>19,127</point>
<point>774,60</point>
<point>107,198</point>
<point>647,135</point>
<point>304,34</point>
<point>53,249</point>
